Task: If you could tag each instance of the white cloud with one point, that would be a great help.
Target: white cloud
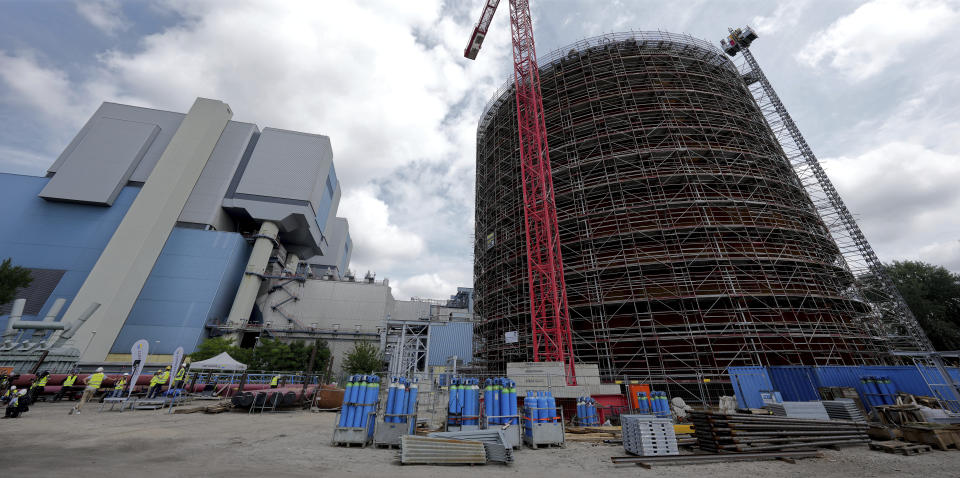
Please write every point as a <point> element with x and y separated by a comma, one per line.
<point>377,241</point>
<point>106,15</point>
<point>905,197</point>
<point>423,286</point>
<point>878,34</point>
<point>386,81</point>
<point>786,15</point>
<point>46,90</point>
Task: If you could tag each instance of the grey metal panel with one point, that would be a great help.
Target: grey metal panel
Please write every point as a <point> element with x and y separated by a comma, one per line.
<point>205,204</point>
<point>287,164</point>
<point>281,182</point>
<point>168,122</point>
<point>453,338</point>
<point>337,235</point>
<point>101,163</point>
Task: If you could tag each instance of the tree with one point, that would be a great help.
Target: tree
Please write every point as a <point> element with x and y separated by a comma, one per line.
<point>933,294</point>
<point>12,278</point>
<point>269,354</point>
<point>215,346</point>
<point>364,358</point>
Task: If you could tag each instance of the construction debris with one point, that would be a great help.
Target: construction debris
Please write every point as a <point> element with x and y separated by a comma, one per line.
<point>746,433</point>
<point>416,450</point>
<point>938,435</point>
<point>649,461</point>
<point>893,446</point>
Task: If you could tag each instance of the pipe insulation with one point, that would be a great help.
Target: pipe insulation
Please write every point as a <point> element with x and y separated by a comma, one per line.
<point>252,277</point>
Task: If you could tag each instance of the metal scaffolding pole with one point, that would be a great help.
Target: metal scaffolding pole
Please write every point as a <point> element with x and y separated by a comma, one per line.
<point>899,325</point>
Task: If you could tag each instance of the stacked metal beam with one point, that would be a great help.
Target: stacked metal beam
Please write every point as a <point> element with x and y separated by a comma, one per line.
<point>417,450</point>
<point>646,435</point>
<point>492,439</point>
<point>747,433</point>
<point>844,409</point>
<point>812,410</point>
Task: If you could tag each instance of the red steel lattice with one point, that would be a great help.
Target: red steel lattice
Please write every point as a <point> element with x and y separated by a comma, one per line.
<point>550,319</point>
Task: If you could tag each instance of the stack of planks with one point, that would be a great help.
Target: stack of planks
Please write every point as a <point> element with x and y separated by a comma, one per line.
<point>592,434</point>
<point>748,433</point>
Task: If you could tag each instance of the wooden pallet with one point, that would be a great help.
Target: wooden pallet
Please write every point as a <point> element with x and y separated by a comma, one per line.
<point>943,437</point>
<point>903,448</point>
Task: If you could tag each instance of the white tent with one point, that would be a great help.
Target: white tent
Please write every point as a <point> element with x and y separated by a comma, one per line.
<point>221,362</point>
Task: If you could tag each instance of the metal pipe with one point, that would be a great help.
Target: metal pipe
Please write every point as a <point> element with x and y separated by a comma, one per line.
<point>15,313</point>
<point>250,284</point>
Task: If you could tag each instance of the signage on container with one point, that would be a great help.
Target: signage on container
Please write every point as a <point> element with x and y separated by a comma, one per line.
<point>511,337</point>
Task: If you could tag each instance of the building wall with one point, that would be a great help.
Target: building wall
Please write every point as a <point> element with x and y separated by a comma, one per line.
<point>52,235</point>
<point>358,308</point>
<point>194,278</point>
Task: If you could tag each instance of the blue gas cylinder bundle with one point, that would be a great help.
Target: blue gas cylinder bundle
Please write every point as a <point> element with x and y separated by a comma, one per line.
<point>500,401</point>
<point>643,403</point>
<point>359,400</point>
<point>590,412</point>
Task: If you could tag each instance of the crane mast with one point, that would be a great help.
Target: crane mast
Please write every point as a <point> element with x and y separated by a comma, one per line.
<point>550,319</point>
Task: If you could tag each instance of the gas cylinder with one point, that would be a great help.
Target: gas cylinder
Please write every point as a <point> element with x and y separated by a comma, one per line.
<point>346,399</point>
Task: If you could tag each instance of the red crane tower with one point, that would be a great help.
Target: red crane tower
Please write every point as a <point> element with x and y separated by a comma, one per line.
<point>549,317</point>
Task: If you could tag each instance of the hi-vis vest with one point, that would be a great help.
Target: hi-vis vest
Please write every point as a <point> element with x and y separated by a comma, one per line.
<point>155,380</point>
<point>275,380</point>
<point>181,373</point>
<point>120,383</point>
<point>95,380</point>
<point>68,382</point>
<point>41,383</point>
<point>165,377</point>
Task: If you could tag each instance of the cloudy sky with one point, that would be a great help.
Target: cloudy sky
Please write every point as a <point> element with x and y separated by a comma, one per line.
<point>874,85</point>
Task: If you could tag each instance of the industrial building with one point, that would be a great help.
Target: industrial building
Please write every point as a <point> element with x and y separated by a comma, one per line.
<point>689,244</point>
<point>166,226</point>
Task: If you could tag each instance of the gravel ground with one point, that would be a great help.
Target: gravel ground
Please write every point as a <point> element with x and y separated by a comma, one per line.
<point>49,442</point>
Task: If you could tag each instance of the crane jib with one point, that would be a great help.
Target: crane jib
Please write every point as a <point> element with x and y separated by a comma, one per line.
<point>551,336</point>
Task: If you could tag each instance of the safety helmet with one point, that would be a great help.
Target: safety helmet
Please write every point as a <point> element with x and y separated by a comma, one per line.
<point>23,391</point>
<point>125,374</point>
<point>13,387</point>
<point>99,369</point>
<point>168,367</point>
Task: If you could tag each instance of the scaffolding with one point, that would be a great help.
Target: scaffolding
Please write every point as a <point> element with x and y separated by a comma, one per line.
<point>690,244</point>
<point>891,318</point>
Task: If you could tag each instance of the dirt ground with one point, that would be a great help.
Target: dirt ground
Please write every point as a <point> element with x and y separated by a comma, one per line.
<point>48,442</point>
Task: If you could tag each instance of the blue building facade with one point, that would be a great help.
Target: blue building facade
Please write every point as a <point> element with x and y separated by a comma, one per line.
<point>193,281</point>
<point>162,226</point>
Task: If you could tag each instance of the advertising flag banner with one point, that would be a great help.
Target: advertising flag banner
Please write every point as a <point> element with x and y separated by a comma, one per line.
<point>138,358</point>
<point>175,366</point>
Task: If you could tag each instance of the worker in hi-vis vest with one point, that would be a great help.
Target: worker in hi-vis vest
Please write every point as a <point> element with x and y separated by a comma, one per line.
<point>93,382</point>
<point>39,385</point>
<point>118,386</point>
<point>66,388</point>
<point>181,377</point>
<point>275,381</point>
<point>156,381</point>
